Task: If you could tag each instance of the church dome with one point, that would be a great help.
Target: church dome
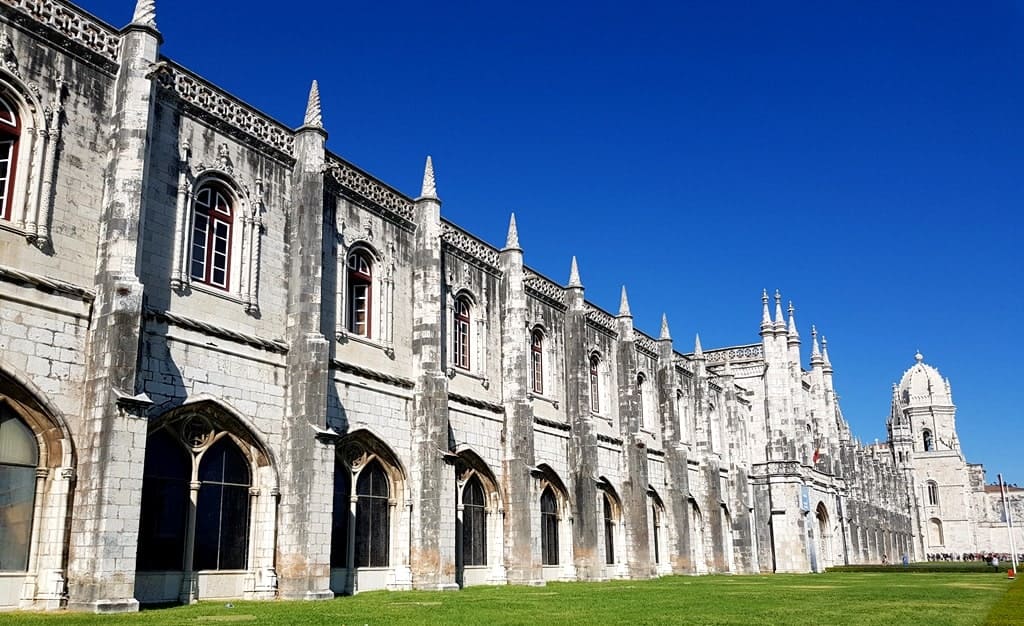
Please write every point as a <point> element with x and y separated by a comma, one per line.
<point>923,385</point>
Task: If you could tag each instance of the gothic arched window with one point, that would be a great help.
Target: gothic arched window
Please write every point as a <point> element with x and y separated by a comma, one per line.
<point>360,292</point>
<point>165,501</point>
<point>595,383</point>
<point>222,510</point>
<point>474,524</point>
<point>342,513</point>
<point>656,523</point>
<point>933,493</point>
<point>212,221</point>
<point>10,135</point>
<point>537,359</point>
<point>926,437</point>
<point>373,517</point>
<point>642,402</point>
<point>609,531</point>
<point>460,336</point>
<point>19,456</point>
<point>549,527</point>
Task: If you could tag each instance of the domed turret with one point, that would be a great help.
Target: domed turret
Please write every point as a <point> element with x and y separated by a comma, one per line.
<point>922,385</point>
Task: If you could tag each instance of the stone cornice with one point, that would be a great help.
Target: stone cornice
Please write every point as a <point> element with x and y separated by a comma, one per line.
<point>42,283</point>
<point>79,30</point>
<point>165,317</point>
<point>470,248</point>
<point>370,192</point>
<point>369,374</point>
<point>544,289</point>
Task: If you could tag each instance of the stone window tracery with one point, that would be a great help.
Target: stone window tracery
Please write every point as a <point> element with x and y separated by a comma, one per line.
<point>19,456</point>
<point>474,523</point>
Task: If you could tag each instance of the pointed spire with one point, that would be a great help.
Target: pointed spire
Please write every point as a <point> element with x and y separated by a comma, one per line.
<point>314,117</point>
<point>698,352</point>
<point>664,328</point>
<point>512,239</point>
<point>794,335</point>
<point>815,352</point>
<point>624,304</point>
<point>766,318</point>
<point>780,323</point>
<point>824,354</point>
<point>145,13</point>
<point>429,188</point>
<point>574,275</point>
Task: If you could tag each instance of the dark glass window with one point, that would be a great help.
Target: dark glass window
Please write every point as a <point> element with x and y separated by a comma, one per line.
<point>595,389</point>
<point>549,527</point>
<point>474,524</point>
<point>165,504</point>
<point>537,360</point>
<point>211,236</point>
<point>19,457</point>
<point>641,388</point>
<point>10,134</point>
<point>342,513</point>
<point>656,518</point>
<point>360,291</point>
<point>929,445</point>
<point>373,513</point>
<point>460,346</point>
<point>933,493</point>
<point>609,531</point>
<point>222,513</point>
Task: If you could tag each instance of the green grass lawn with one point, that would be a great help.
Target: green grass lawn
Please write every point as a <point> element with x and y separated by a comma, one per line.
<point>834,598</point>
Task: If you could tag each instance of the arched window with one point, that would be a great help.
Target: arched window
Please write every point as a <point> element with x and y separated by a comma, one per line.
<point>373,517</point>
<point>474,524</point>
<point>933,493</point>
<point>549,527</point>
<point>342,513</point>
<point>19,456</point>
<point>537,359</point>
<point>595,383</point>
<point>222,510</point>
<point>926,437</point>
<point>10,134</point>
<point>656,523</point>
<point>212,221</point>
<point>360,292</point>
<point>165,502</point>
<point>460,342</point>
<point>609,531</point>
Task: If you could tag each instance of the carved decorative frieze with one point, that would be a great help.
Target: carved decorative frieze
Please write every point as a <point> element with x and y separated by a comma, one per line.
<point>601,318</point>
<point>645,344</point>
<point>739,353</point>
<point>543,287</point>
<point>471,248</point>
<point>73,23</point>
<point>373,191</point>
<point>216,107</point>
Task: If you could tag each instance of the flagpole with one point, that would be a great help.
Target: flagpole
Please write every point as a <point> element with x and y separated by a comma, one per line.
<point>1009,523</point>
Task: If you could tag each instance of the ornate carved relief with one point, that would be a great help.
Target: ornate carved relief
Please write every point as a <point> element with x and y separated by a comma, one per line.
<point>543,287</point>
<point>740,353</point>
<point>471,248</point>
<point>76,25</point>
<point>375,192</point>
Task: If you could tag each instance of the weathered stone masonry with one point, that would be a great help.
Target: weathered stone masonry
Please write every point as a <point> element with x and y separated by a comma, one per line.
<point>208,316</point>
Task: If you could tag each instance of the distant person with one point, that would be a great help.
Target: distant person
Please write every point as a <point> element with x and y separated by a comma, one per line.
<point>906,560</point>
<point>885,559</point>
<point>995,562</point>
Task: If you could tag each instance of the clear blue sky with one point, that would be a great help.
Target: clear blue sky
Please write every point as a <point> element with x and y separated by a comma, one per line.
<point>863,157</point>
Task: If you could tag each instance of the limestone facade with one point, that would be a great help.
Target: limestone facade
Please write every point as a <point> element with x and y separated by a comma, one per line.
<point>234,365</point>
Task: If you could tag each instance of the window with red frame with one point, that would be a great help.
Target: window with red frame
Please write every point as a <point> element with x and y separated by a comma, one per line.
<point>211,236</point>
<point>10,134</point>
<point>595,389</point>
<point>537,360</point>
<point>360,290</point>
<point>460,346</point>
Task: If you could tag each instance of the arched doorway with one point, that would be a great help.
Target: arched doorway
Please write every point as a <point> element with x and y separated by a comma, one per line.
<point>698,548</point>
<point>479,554</point>
<point>824,532</point>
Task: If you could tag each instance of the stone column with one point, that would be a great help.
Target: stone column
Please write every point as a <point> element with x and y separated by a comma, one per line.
<point>587,526</point>
<point>678,550</point>
<point>431,476</point>
<point>523,503</point>
<point>307,464</point>
<point>634,451</point>
<point>105,520</point>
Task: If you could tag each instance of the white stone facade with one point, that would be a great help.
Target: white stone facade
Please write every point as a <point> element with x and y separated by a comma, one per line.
<point>206,315</point>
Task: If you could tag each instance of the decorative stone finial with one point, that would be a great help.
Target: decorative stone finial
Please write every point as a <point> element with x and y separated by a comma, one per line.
<point>824,354</point>
<point>574,275</point>
<point>512,239</point>
<point>314,117</point>
<point>815,351</point>
<point>429,188</point>
<point>779,321</point>
<point>698,352</point>
<point>919,357</point>
<point>664,328</point>
<point>766,319</point>
<point>624,304</point>
<point>794,335</point>
<point>145,13</point>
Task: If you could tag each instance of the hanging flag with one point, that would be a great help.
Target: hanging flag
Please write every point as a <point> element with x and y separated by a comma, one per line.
<point>817,455</point>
